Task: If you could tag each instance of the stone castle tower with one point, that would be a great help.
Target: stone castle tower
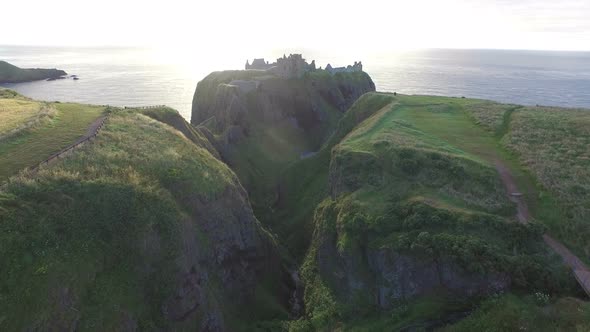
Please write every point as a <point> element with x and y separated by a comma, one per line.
<point>295,66</point>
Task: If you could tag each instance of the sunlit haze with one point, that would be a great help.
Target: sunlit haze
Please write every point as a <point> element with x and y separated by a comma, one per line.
<point>217,27</point>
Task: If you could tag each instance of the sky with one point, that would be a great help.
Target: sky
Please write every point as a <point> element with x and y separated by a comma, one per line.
<point>339,25</point>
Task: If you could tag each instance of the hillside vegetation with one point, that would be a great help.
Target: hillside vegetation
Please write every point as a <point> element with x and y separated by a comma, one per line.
<point>378,212</point>
<point>140,229</point>
<point>19,113</point>
<point>401,221</point>
<point>42,130</point>
<point>13,74</point>
<point>554,144</point>
<point>415,217</point>
<point>551,146</point>
<point>259,132</point>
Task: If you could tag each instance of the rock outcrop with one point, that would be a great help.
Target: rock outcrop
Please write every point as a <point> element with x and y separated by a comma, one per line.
<point>227,96</point>
<point>387,277</point>
<point>237,253</point>
<point>237,106</point>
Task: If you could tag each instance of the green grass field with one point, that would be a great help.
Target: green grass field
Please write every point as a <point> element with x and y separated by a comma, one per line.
<point>546,150</point>
<point>425,125</point>
<point>554,145</point>
<point>16,113</point>
<point>70,122</point>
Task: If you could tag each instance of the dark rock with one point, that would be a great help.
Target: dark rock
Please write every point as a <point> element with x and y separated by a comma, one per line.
<point>187,299</point>
<point>404,276</point>
<point>65,316</point>
<point>237,253</point>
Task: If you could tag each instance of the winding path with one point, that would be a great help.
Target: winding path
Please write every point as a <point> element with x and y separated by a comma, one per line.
<point>92,129</point>
<point>580,270</point>
<point>91,132</point>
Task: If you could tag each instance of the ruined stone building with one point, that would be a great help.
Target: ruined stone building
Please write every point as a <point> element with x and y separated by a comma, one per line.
<point>358,66</point>
<point>295,66</point>
<point>259,64</point>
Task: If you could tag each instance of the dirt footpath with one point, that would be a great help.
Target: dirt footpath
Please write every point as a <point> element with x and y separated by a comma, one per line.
<point>580,270</point>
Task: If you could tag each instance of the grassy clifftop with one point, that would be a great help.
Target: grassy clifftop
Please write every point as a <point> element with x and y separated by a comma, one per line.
<point>124,234</point>
<point>32,131</point>
<point>16,112</point>
<point>412,191</point>
<point>404,223</point>
<point>13,74</point>
<point>553,144</point>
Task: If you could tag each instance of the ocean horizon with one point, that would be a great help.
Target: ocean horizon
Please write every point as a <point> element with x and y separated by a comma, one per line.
<point>140,76</point>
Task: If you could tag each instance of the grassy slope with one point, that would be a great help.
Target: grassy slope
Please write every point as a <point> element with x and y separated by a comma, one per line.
<point>78,224</point>
<point>528,313</point>
<point>438,125</point>
<point>16,112</point>
<point>553,144</point>
<point>304,182</point>
<point>547,149</point>
<point>33,146</point>
<point>419,126</point>
<point>170,116</point>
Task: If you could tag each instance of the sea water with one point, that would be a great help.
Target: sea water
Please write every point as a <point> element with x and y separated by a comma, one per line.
<point>146,76</point>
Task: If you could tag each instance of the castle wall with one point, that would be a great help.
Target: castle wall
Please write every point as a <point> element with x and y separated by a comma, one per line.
<point>295,66</point>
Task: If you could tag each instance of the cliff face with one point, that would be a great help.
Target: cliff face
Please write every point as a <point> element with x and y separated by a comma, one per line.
<point>249,98</point>
<point>261,123</point>
<point>14,74</point>
<point>359,263</point>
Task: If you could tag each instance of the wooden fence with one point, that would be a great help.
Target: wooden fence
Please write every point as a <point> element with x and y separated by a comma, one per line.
<point>71,147</point>
<point>144,107</point>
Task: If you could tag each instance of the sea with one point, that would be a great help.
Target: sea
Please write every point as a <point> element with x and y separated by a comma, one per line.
<point>150,76</point>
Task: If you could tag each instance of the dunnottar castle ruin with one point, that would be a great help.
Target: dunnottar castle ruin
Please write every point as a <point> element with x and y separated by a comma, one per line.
<point>294,66</point>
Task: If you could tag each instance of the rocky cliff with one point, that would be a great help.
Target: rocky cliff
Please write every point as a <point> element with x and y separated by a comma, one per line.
<point>261,123</point>
<point>233,103</point>
<point>224,95</point>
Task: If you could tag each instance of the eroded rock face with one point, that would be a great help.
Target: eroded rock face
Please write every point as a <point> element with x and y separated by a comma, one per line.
<point>387,276</point>
<point>403,276</point>
<point>65,317</point>
<point>222,245</point>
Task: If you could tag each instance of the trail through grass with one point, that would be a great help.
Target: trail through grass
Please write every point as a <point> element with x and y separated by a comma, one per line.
<point>476,130</point>
<point>70,123</point>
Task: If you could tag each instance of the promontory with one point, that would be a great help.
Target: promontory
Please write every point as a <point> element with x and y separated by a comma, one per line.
<point>12,74</point>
